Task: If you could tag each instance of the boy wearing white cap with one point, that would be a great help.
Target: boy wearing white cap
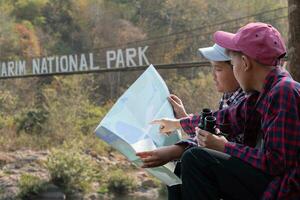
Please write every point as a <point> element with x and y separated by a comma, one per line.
<point>224,79</point>
<point>225,83</point>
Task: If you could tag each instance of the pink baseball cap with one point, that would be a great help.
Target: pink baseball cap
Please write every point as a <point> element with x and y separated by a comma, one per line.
<point>260,41</point>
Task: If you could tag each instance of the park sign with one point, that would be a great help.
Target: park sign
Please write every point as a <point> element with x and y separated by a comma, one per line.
<point>74,63</point>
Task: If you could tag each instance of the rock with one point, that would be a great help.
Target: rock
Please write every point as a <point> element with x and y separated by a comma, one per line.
<point>52,193</point>
<point>14,164</point>
<point>5,159</point>
<point>17,163</point>
<point>147,194</point>
<point>93,196</point>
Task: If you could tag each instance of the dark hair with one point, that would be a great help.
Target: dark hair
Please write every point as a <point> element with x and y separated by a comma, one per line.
<point>229,63</point>
<point>227,52</point>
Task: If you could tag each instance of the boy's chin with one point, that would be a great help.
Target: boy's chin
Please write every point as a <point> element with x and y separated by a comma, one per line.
<point>219,90</point>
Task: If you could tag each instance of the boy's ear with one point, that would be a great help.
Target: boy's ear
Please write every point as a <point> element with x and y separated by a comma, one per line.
<point>246,63</point>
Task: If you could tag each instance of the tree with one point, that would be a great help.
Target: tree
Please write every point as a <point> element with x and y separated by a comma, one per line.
<point>294,38</point>
<point>30,10</point>
<point>62,27</point>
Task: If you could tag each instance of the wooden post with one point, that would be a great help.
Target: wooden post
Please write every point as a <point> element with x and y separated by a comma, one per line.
<point>294,38</point>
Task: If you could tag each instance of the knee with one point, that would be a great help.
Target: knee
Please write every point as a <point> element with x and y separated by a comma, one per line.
<point>191,155</point>
<point>197,156</point>
<point>187,155</point>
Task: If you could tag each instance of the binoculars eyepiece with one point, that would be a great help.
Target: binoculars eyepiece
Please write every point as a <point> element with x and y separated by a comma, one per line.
<point>207,121</point>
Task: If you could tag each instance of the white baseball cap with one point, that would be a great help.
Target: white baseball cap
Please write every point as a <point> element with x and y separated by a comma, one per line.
<point>214,53</point>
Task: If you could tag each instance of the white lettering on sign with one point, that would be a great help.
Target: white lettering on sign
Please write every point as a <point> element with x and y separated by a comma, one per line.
<point>142,55</point>
<point>130,57</point>
<point>63,64</point>
<point>50,62</point>
<point>130,54</point>
<point>83,63</point>
<point>73,63</point>
<point>110,56</point>
<point>13,68</point>
<point>120,58</point>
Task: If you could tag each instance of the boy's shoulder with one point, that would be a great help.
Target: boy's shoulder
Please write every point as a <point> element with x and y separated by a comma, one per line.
<point>286,85</point>
<point>285,90</point>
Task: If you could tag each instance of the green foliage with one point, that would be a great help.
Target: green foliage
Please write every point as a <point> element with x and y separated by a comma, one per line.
<point>7,103</point>
<point>103,189</point>
<point>71,169</point>
<point>88,119</point>
<point>9,45</point>
<point>120,183</point>
<point>30,10</point>
<point>59,17</point>
<point>30,185</point>
<point>196,93</point>
<point>6,121</point>
<point>163,190</point>
<point>32,121</point>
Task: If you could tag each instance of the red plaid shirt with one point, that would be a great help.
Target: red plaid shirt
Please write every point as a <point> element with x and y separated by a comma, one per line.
<point>275,112</point>
<point>227,100</point>
<point>232,98</point>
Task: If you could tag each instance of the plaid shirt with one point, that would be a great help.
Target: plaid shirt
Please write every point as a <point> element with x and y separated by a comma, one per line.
<point>276,113</point>
<point>227,100</point>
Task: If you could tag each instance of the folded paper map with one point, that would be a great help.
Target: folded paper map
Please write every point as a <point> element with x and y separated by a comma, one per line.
<point>127,128</point>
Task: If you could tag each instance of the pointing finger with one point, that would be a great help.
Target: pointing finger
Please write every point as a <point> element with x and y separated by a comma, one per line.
<point>156,121</point>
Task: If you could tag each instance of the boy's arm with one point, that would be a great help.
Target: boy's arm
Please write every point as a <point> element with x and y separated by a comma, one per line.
<point>189,123</point>
<point>234,116</point>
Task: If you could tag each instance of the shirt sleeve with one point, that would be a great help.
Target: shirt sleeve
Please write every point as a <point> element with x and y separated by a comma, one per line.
<point>229,116</point>
<point>232,117</point>
<point>280,125</point>
<point>189,123</point>
<point>190,142</point>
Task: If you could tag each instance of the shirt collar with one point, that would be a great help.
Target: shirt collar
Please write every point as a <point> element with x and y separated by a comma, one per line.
<point>229,97</point>
<point>271,79</point>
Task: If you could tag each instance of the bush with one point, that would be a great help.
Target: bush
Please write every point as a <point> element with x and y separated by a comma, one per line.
<point>71,169</point>
<point>120,183</point>
<point>33,121</point>
<point>30,185</point>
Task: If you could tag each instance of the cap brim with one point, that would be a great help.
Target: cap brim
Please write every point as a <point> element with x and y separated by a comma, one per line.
<point>225,40</point>
<point>212,54</point>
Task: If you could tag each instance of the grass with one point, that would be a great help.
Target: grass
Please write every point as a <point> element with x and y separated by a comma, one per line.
<point>71,169</point>
<point>30,185</point>
<point>120,183</point>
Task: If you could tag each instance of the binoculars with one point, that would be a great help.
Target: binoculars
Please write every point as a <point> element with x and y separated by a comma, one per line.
<point>208,122</point>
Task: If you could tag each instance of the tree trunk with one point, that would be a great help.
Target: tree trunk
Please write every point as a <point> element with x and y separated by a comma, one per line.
<point>294,38</point>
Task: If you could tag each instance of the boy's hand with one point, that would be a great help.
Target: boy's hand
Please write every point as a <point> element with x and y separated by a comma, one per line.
<point>160,156</point>
<point>209,140</point>
<point>167,125</point>
<point>178,107</point>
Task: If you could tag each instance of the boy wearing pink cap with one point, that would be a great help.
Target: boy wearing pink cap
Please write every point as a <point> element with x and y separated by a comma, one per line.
<point>221,169</point>
<point>271,171</point>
